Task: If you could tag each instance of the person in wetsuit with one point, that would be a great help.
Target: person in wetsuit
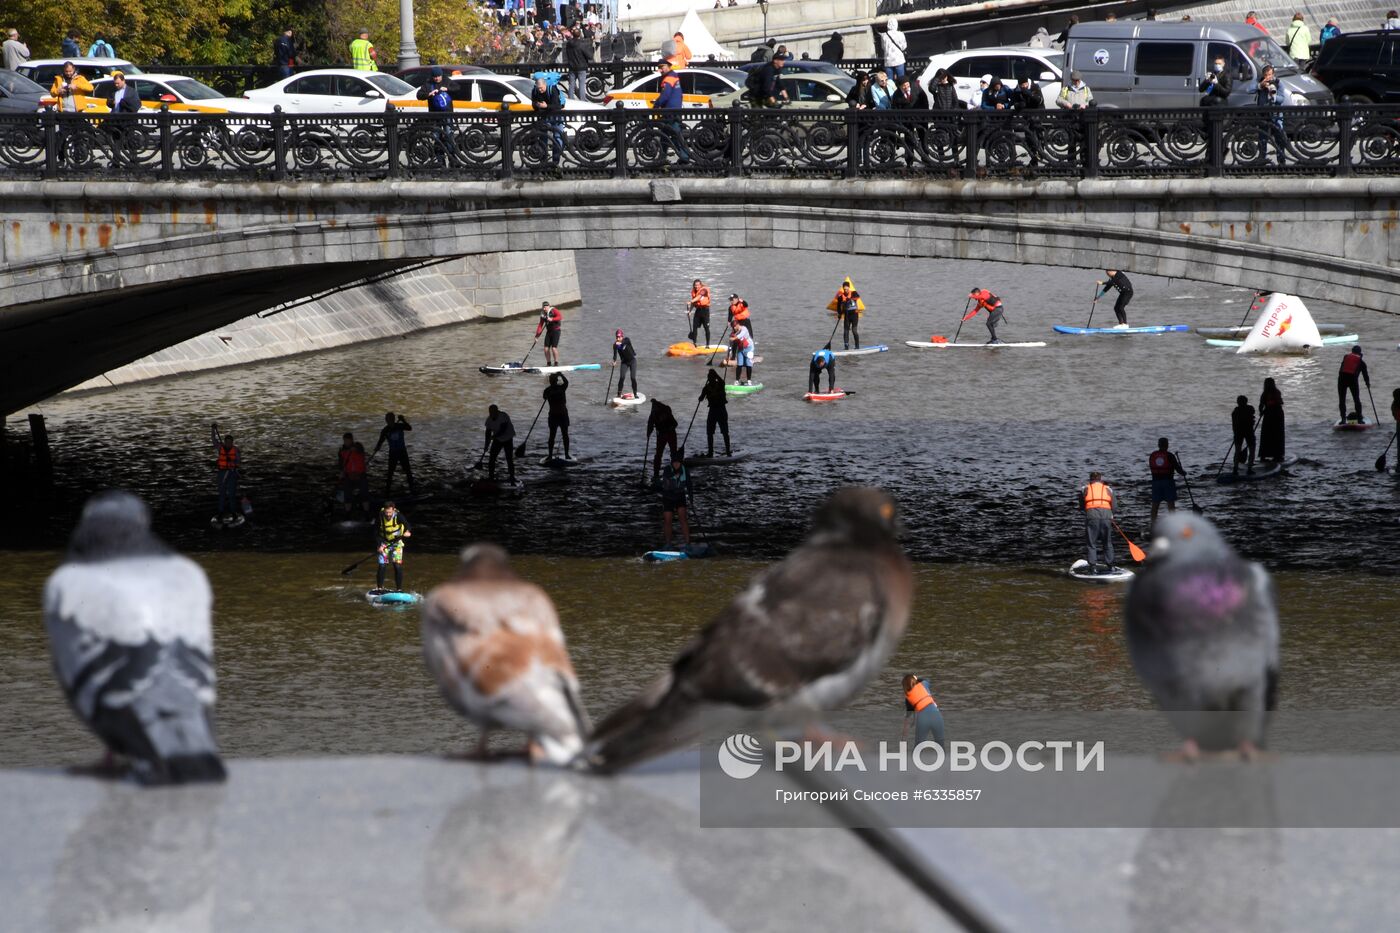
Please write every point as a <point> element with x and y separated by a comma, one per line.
<point>699,311</point>
<point>718,414</point>
<point>823,359</point>
<point>624,353</point>
<point>1121,282</point>
<point>663,421</point>
<point>500,431</point>
<point>1242,421</point>
<point>1349,376</point>
<point>392,434</point>
<point>554,394</point>
<point>847,303</point>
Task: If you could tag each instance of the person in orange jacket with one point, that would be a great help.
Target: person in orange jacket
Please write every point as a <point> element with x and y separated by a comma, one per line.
<point>983,300</point>
<point>848,309</point>
<point>699,310</point>
<point>739,311</point>
<point>920,704</point>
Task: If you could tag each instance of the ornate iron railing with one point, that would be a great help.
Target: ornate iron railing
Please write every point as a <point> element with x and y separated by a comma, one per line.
<point>1298,141</point>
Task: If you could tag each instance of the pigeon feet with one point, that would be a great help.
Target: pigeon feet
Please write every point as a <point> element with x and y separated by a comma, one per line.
<point>1189,753</point>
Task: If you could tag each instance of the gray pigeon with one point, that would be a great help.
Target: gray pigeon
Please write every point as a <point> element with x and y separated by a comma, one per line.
<point>1202,630</point>
<point>806,635</point>
<point>128,625</point>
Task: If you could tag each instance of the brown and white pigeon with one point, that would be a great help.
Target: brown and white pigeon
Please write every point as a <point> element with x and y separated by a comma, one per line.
<point>806,635</point>
<point>1202,630</point>
<point>129,628</point>
<point>493,643</point>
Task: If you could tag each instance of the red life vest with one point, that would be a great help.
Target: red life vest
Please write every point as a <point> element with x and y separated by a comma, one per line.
<point>986,300</point>
<point>228,458</point>
<point>1351,363</point>
<point>352,461</point>
<point>1160,463</point>
<point>918,697</point>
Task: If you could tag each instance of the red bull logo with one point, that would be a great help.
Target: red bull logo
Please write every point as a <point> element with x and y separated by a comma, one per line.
<point>1287,323</point>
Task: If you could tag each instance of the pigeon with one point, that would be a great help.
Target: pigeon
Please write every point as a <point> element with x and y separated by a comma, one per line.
<point>806,635</point>
<point>128,625</point>
<point>1202,630</point>
<point>493,643</point>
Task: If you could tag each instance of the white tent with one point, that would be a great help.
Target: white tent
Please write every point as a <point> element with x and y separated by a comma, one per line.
<point>1284,326</point>
<point>699,40</point>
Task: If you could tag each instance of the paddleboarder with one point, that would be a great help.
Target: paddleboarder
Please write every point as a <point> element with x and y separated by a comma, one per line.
<point>983,300</point>
<point>663,421</point>
<point>848,308</point>
<point>699,310</point>
<point>392,434</point>
<point>1164,466</point>
<point>739,312</point>
<point>554,394</point>
<point>823,359</point>
<point>1349,376</point>
<point>229,462</point>
<point>1395,407</point>
<point>391,530</point>
<point>499,434</point>
<point>1118,280</point>
<point>718,414</point>
<point>741,346</point>
<point>920,706</point>
<point>550,324</point>
<point>1270,422</point>
<point>354,479</point>
<point>624,353</point>
<point>675,484</point>
<point>1096,501</point>
<point>1242,421</point>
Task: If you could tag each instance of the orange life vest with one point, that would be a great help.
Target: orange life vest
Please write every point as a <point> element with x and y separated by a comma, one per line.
<point>986,300</point>
<point>1160,463</point>
<point>740,311</point>
<point>1351,363</point>
<point>918,697</point>
<point>228,457</point>
<point>352,461</point>
<point>1098,496</point>
<point>700,297</point>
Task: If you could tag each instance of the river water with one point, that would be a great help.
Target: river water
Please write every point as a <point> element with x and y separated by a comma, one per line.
<point>983,449</point>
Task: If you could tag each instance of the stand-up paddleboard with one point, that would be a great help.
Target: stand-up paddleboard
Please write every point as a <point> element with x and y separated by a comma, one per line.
<point>218,522</point>
<point>700,460</point>
<point>560,463</point>
<point>504,369</point>
<point>1144,329</point>
<point>935,345</point>
<point>862,351</point>
<point>1342,340</point>
<point>627,401</point>
<point>1353,425</point>
<point>733,362</point>
<point>689,552</point>
<point>1242,329</point>
<point>686,348</point>
<point>1263,469</point>
<point>834,395</point>
<point>378,597</point>
<point>573,368</point>
<point>733,389</point>
<point>1079,570</point>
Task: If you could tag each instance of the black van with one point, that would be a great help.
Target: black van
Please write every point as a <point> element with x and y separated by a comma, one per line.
<point>1363,67</point>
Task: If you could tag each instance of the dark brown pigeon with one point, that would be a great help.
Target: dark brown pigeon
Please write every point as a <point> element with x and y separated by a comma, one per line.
<point>806,635</point>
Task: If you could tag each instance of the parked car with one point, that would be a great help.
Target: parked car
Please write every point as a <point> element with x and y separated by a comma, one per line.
<point>179,93</point>
<point>809,91</point>
<point>1142,64</point>
<point>1009,63</point>
<point>423,74</point>
<point>337,90</point>
<point>800,67</point>
<point>1362,67</point>
<point>698,85</point>
<point>20,95</point>
<point>490,91</point>
<point>42,71</point>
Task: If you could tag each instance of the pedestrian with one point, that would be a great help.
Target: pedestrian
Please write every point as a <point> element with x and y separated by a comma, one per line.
<point>920,706</point>
<point>1163,466</point>
<point>1075,95</point>
<point>284,53</point>
<point>1330,31</point>
<point>101,48</point>
<point>680,58</point>
<point>69,48</point>
<point>995,96</point>
<point>1215,87</point>
<point>662,420</point>
<point>390,530</point>
<point>718,414</point>
<point>354,478</point>
<point>675,485</point>
<point>699,310</point>
<point>983,300</point>
<point>849,307</point>
<point>555,395</point>
<point>1252,19</point>
<point>822,360</point>
<point>1349,376</point>
<point>1270,93</point>
<point>439,97</point>
<point>944,92</point>
<point>1298,41</point>
<point>499,434</point>
<point>895,45</point>
<point>1242,423</point>
<point>1118,280</point>
<point>229,463</point>
<point>858,97</point>
<point>671,101</point>
<point>578,52</point>
<point>124,100</point>
<point>1392,20</point>
<point>833,49</point>
<point>550,324</point>
<point>70,88</point>
<point>763,86</point>
<point>1271,422</point>
<point>880,91</point>
<point>548,102</point>
<point>908,95</point>
<point>764,52</point>
<point>1028,99</point>
<point>16,52</point>
<point>393,434</point>
<point>363,55</point>
<point>1096,501</point>
<point>739,311</point>
<point>1063,38</point>
<point>624,353</point>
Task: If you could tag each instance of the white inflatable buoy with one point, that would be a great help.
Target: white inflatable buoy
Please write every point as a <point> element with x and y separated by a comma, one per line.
<point>1284,326</point>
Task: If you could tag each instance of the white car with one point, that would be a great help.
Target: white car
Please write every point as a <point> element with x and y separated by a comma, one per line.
<point>490,91</point>
<point>698,85</point>
<point>1009,63</point>
<point>181,94</point>
<point>337,90</point>
<point>43,70</point>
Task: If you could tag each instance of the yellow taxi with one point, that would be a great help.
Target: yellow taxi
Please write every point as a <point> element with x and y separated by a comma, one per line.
<point>698,85</point>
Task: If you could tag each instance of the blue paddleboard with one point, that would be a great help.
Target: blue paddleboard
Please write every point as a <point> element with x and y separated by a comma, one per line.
<point>695,551</point>
<point>1145,329</point>
<point>378,597</point>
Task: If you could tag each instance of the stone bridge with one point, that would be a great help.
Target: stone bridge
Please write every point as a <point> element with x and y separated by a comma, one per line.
<point>99,273</point>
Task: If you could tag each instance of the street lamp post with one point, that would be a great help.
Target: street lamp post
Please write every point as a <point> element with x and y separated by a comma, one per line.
<point>408,48</point>
<point>763,5</point>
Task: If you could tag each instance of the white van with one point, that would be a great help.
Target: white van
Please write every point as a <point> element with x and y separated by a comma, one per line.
<point>1146,64</point>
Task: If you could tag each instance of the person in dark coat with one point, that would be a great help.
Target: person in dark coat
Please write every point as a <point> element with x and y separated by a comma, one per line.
<point>124,100</point>
<point>909,96</point>
<point>578,52</point>
<point>943,93</point>
<point>548,102</point>
<point>284,53</point>
<point>833,49</point>
<point>1271,422</point>
<point>764,53</point>
<point>763,86</point>
<point>858,97</point>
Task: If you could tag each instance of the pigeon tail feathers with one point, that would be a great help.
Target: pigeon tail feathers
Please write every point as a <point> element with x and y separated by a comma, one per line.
<point>650,724</point>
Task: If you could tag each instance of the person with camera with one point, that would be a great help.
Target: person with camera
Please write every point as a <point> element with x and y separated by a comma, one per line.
<point>1270,93</point>
<point>1216,86</point>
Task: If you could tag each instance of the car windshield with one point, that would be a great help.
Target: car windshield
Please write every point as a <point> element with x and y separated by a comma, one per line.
<point>17,84</point>
<point>190,89</point>
<point>1265,51</point>
<point>520,86</point>
<point>390,85</point>
<point>842,83</point>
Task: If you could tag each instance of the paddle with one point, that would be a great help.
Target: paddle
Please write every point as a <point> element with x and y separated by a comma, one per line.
<point>520,448</point>
<point>645,451</point>
<point>833,327</point>
<point>348,570</point>
<point>529,351</point>
<point>698,401</point>
<point>1380,461</point>
<point>1374,414</point>
<point>1133,549</point>
<point>607,383</point>
<point>1252,302</point>
<point>965,316</point>
<point>1093,304</point>
<point>1187,479</point>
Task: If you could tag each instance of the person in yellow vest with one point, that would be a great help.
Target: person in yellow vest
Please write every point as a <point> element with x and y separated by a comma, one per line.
<point>848,307</point>
<point>363,55</point>
<point>1096,500</point>
<point>391,530</point>
<point>919,703</point>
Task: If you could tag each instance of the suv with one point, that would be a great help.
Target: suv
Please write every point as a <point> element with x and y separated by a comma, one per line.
<point>1010,63</point>
<point>1362,67</point>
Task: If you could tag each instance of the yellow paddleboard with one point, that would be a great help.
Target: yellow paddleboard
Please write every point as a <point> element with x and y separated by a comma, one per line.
<point>686,348</point>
